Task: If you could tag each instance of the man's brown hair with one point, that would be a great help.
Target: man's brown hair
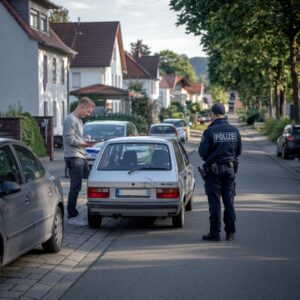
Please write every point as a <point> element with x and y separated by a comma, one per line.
<point>86,101</point>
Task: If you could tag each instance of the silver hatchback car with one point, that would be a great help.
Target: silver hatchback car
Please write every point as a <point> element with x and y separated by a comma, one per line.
<point>140,176</point>
<point>31,203</point>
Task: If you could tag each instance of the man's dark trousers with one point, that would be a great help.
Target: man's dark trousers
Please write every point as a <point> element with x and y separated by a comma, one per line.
<point>78,169</point>
<point>217,184</point>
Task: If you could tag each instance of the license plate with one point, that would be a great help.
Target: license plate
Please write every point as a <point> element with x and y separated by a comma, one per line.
<point>132,193</point>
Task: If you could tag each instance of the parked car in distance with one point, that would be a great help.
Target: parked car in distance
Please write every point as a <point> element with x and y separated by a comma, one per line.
<point>181,126</point>
<point>288,144</point>
<point>31,203</point>
<point>163,130</point>
<point>143,177</point>
<point>204,118</point>
<point>102,131</point>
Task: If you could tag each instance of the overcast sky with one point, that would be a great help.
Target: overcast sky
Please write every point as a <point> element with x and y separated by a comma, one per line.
<point>149,20</point>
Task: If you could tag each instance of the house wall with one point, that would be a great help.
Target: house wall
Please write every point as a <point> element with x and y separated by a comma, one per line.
<point>151,86</point>
<point>53,94</point>
<point>19,66</point>
<point>116,72</point>
<point>164,98</point>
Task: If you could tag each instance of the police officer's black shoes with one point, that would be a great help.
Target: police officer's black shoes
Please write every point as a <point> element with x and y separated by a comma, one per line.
<point>215,237</point>
<point>229,236</point>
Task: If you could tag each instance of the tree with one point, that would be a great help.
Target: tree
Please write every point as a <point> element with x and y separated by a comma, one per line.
<point>251,44</point>
<point>60,15</point>
<point>172,63</point>
<point>140,48</point>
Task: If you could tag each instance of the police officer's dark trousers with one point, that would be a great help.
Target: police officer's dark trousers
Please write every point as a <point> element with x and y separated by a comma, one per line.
<point>221,183</point>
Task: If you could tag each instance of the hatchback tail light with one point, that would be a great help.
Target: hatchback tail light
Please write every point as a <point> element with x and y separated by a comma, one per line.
<point>176,132</point>
<point>167,193</point>
<point>95,192</point>
<point>290,137</point>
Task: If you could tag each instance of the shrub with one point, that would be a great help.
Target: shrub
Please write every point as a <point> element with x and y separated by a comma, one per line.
<point>31,135</point>
<point>269,126</point>
<point>278,129</point>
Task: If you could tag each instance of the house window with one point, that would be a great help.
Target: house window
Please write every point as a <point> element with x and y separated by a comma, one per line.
<point>115,53</point>
<point>45,108</point>
<point>44,23</point>
<point>34,18</point>
<point>116,80</point>
<point>63,109</point>
<point>54,113</point>
<point>54,70</point>
<point>153,87</point>
<point>62,70</point>
<point>76,80</point>
<point>45,69</point>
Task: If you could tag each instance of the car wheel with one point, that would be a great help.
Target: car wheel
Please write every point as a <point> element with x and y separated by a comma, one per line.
<point>94,220</point>
<point>278,153</point>
<point>189,205</point>
<point>55,242</point>
<point>178,221</point>
<point>284,154</point>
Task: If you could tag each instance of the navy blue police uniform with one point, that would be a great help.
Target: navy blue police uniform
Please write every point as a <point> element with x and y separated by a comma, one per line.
<point>219,148</point>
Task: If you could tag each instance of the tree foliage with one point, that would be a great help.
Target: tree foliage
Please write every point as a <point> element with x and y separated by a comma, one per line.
<point>140,47</point>
<point>60,15</point>
<point>252,45</point>
<point>173,63</point>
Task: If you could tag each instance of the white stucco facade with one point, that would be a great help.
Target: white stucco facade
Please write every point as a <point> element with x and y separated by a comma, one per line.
<point>111,75</point>
<point>19,66</point>
<point>22,74</point>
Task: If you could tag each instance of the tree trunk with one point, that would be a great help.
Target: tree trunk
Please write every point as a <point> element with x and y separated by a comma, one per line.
<point>294,75</point>
<point>277,111</point>
<point>282,103</point>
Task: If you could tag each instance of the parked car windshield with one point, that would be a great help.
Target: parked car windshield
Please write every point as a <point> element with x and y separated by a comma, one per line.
<point>176,123</point>
<point>161,129</point>
<point>132,156</point>
<point>100,132</point>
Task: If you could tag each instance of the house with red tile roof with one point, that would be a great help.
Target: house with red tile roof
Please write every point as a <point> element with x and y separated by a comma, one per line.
<point>97,70</point>
<point>173,88</point>
<point>34,61</point>
<point>196,94</point>
<point>143,69</point>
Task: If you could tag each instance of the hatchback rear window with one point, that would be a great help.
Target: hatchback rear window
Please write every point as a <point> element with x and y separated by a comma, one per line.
<point>162,130</point>
<point>296,131</point>
<point>135,156</point>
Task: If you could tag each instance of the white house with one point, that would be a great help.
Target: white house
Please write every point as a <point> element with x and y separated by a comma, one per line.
<point>97,70</point>
<point>33,60</point>
<point>145,70</point>
<point>173,88</point>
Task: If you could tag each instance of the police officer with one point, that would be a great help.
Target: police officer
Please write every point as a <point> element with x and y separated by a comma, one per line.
<point>219,148</point>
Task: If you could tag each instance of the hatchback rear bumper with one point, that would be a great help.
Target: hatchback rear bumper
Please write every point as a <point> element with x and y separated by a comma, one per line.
<point>135,209</point>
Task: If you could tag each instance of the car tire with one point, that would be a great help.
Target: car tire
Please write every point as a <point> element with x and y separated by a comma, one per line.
<point>278,153</point>
<point>94,220</point>
<point>189,205</point>
<point>284,153</point>
<point>55,242</point>
<point>178,221</point>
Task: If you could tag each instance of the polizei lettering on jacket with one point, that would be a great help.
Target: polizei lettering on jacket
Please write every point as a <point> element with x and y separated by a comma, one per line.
<point>221,137</point>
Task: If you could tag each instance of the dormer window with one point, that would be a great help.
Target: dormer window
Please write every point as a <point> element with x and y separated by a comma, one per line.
<point>34,18</point>
<point>44,23</point>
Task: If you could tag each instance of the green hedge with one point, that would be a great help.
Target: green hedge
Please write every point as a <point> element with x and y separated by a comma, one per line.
<point>273,129</point>
<point>31,135</point>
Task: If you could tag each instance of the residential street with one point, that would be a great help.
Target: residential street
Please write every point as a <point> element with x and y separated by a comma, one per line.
<point>128,259</point>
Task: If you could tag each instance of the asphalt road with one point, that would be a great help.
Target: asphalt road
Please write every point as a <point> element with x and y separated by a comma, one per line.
<point>159,262</point>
